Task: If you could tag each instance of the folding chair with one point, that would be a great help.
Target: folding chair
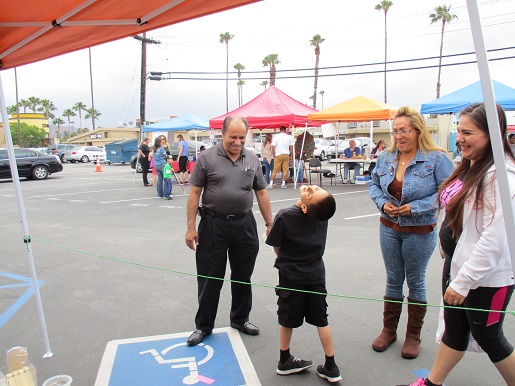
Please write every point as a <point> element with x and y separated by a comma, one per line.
<point>315,167</point>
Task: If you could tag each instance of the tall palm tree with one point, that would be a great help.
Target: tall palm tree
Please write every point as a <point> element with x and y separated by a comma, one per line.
<point>444,14</point>
<point>316,41</point>
<point>34,103</point>
<point>25,104</point>
<point>68,113</point>
<point>58,122</point>
<point>47,106</point>
<point>240,67</point>
<point>224,38</point>
<point>270,61</point>
<point>79,107</point>
<point>322,92</point>
<point>241,83</point>
<point>384,5</point>
<point>92,113</point>
<point>264,83</point>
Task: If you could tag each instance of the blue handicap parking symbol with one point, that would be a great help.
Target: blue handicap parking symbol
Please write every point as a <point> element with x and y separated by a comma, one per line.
<point>167,360</point>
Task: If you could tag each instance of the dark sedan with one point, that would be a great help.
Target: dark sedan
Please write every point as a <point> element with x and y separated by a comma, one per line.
<point>31,164</point>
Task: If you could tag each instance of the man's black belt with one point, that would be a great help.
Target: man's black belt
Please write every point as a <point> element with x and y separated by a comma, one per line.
<point>229,217</point>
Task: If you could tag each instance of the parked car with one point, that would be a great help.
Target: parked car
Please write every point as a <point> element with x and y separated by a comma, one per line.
<point>193,148</point>
<point>31,164</point>
<point>361,142</point>
<point>60,149</point>
<point>322,147</point>
<point>85,154</point>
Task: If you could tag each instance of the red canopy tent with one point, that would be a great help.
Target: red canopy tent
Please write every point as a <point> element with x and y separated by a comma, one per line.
<point>34,30</point>
<point>272,108</point>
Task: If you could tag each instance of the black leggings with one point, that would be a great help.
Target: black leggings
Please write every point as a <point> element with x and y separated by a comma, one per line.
<point>485,327</point>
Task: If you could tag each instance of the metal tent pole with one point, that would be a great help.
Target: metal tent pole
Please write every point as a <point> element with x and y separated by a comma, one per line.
<point>23,217</point>
<point>493,124</point>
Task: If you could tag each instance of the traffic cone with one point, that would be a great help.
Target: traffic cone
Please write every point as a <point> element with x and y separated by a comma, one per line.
<point>98,168</point>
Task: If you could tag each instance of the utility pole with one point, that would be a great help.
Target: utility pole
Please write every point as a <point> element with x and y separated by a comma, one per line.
<point>92,98</point>
<point>144,42</point>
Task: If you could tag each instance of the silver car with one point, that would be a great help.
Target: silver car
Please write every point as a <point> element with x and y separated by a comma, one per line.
<point>323,147</point>
<point>85,154</point>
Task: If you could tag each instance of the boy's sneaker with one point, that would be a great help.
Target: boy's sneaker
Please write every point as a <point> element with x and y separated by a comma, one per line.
<point>271,187</point>
<point>169,198</point>
<point>293,365</point>
<point>284,187</point>
<point>331,375</point>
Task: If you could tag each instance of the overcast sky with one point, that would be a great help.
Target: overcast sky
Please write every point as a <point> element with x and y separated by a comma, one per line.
<point>353,33</point>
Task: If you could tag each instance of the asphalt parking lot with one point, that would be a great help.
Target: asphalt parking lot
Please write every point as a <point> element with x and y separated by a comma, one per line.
<point>114,264</point>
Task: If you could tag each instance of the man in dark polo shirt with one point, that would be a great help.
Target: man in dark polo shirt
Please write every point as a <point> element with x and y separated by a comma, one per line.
<point>225,176</point>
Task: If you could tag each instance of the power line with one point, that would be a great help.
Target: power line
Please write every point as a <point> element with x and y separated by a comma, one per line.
<point>339,67</point>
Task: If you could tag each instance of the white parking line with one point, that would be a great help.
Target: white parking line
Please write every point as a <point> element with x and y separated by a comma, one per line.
<point>89,192</point>
<point>365,215</point>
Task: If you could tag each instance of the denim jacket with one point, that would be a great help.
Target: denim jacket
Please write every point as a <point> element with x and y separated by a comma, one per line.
<point>422,177</point>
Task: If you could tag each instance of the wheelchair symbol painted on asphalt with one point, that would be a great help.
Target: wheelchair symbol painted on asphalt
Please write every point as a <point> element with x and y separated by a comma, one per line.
<point>190,363</point>
<point>167,360</point>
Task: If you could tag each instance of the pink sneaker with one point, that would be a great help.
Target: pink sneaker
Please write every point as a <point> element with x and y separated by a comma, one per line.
<point>419,382</point>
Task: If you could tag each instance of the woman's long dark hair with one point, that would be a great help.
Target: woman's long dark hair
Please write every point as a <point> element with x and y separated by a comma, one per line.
<point>157,143</point>
<point>475,173</point>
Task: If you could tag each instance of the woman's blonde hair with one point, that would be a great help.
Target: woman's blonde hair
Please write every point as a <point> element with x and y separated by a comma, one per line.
<point>417,122</point>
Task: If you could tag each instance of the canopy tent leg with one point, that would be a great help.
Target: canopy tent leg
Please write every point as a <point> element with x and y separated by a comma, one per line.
<point>493,123</point>
<point>23,217</point>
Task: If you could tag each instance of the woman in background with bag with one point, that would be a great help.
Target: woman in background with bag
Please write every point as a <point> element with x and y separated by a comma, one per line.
<point>473,239</point>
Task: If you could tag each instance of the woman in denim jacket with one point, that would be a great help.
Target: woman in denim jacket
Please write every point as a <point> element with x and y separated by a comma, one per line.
<point>404,187</point>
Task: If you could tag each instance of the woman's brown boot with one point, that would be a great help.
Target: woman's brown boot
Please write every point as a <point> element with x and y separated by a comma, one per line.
<point>416,314</point>
<point>391,315</point>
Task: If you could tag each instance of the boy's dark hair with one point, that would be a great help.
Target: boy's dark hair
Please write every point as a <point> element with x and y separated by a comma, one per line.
<point>324,209</point>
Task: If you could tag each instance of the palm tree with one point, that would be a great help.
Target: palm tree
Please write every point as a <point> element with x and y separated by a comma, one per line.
<point>322,92</point>
<point>224,38</point>
<point>240,91</point>
<point>80,107</point>
<point>384,5</point>
<point>68,113</point>
<point>444,14</point>
<point>92,113</point>
<point>12,109</point>
<point>47,106</point>
<point>240,67</point>
<point>34,103</point>
<point>271,60</point>
<point>58,122</point>
<point>264,83</point>
<point>316,41</point>
<point>25,104</point>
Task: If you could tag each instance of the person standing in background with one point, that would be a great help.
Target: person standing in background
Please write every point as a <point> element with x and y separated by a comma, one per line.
<point>183,160</point>
<point>282,151</point>
<point>143,152</point>
<point>159,155</point>
<point>268,157</point>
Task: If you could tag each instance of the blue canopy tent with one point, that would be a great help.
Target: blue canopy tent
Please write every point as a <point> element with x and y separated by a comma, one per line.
<point>181,123</point>
<point>458,100</point>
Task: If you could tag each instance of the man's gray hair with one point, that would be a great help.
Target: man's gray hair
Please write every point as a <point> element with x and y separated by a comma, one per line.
<point>230,118</point>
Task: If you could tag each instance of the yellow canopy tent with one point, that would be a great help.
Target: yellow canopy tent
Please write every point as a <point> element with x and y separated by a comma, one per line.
<point>355,110</point>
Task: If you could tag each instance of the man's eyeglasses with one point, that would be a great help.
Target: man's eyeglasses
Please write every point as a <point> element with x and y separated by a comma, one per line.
<point>403,132</point>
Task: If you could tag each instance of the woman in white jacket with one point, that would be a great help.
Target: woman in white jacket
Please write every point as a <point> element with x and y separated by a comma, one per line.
<point>474,242</point>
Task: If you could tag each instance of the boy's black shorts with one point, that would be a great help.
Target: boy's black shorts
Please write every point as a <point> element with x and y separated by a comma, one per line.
<point>296,306</point>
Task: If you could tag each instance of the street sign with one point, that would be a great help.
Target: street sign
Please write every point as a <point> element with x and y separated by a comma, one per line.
<point>165,360</point>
